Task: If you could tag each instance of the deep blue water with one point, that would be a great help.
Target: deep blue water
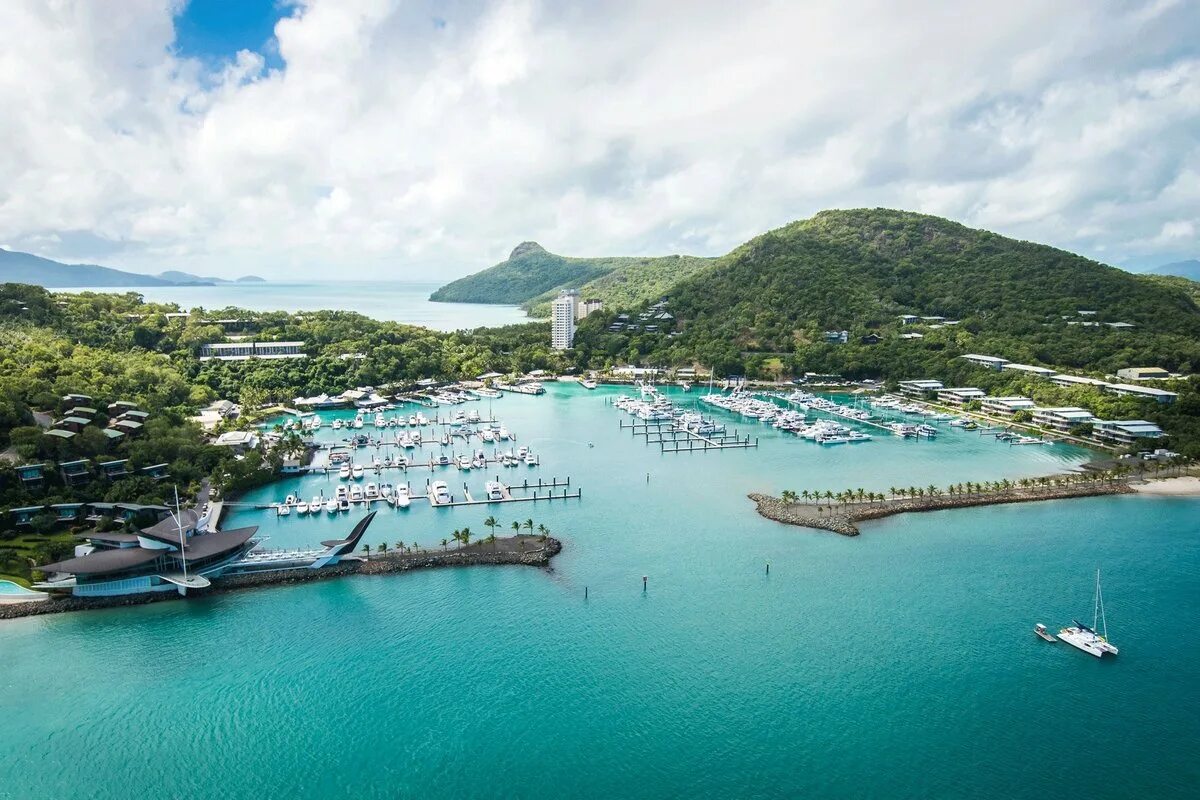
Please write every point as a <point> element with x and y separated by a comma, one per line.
<point>399,301</point>
<point>900,663</point>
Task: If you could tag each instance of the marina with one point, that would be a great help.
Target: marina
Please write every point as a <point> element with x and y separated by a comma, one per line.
<point>531,636</point>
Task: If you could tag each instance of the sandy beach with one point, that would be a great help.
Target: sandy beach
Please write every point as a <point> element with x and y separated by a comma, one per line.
<point>1185,486</point>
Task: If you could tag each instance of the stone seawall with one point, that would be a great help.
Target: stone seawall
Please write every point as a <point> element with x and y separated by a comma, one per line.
<point>528,551</point>
<point>842,519</point>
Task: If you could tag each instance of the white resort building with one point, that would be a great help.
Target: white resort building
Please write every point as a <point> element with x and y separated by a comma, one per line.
<point>242,351</point>
<point>961,395</point>
<point>1007,406</point>
<point>562,331</point>
<point>991,362</point>
<point>919,388</point>
<point>1158,395</point>
<point>1063,418</point>
<point>1127,431</point>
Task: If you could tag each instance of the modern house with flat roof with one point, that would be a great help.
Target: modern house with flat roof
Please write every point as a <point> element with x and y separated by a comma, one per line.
<point>960,395</point>
<point>75,472</point>
<point>1077,380</point>
<point>1143,374</point>
<point>1062,418</point>
<point>1157,395</point>
<point>31,475</point>
<point>919,388</point>
<point>909,319</point>
<point>1007,406</point>
<point>991,362</point>
<point>1125,432</point>
<point>1042,372</point>
<point>240,441</point>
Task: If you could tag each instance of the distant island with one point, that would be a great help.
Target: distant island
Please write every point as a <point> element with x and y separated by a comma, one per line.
<point>1189,269</point>
<point>18,267</point>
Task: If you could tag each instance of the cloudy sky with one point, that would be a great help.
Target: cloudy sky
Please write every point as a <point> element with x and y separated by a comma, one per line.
<point>411,138</point>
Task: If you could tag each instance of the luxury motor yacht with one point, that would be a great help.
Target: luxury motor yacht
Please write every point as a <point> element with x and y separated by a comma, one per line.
<point>495,491</point>
<point>357,472</point>
<point>356,494</point>
<point>440,492</point>
<point>400,497</point>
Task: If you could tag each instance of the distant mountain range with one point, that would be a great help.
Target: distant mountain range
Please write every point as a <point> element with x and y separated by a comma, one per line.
<point>1189,269</point>
<point>16,267</point>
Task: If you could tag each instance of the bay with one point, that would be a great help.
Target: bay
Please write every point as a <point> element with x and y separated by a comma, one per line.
<point>900,663</point>
<point>398,301</point>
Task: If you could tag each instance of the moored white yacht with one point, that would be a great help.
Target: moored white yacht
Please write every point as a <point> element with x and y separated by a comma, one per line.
<point>1086,638</point>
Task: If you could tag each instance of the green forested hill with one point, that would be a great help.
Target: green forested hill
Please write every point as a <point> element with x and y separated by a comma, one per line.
<point>862,268</point>
<point>532,276</point>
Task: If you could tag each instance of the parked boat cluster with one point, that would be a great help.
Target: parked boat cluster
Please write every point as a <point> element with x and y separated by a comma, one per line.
<point>792,420</point>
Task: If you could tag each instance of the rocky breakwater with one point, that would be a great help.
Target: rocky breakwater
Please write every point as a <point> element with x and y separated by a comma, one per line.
<point>842,517</point>
<point>529,551</point>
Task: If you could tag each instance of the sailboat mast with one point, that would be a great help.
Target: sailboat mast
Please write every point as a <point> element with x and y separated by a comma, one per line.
<point>1096,600</point>
<point>1100,602</point>
<point>182,544</point>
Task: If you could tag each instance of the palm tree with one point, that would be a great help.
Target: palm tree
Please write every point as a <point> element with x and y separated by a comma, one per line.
<point>516,526</point>
<point>892,491</point>
<point>788,496</point>
<point>829,499</point>
<point>933,490</point>
<point>492,540</point>
<point>367,549</point>
<point>465,536</point>
<point>382,548</point>
<point>445,544</point>
<point>491,523</point>
<point>457,536</point>
<point>805,494</point>
<point>543,530</point>
<point>529,525</point>
<point>861,494</point>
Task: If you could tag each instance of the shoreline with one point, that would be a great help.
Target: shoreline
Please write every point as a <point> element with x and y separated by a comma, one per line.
<point>1179,486</point>
<point>529,551</point>
<point>842,521</point>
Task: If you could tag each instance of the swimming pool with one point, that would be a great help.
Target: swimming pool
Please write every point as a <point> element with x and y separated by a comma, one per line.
<point>11,592</point>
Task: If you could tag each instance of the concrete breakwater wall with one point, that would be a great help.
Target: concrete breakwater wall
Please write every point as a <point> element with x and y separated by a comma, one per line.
<point>528,551</point>
<point>842,519</point>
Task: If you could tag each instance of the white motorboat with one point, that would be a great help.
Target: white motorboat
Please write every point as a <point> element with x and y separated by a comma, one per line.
<point>588,383</point>
<point>356,494</point>
<point>291,500</point>
<point>372,492</point>
<point>531,460</point>
<point>504,434</point>
<point>343,504</point>
<point>282,509</point>
<point>344,472</point>
<point>495,491</point>
<point>1041,631</point>
<point>463,462</point>
<point>331,506</point>
<point>440,492</point>
<point>337,424</point>
<point>357,471</point>
<point>1086,638</point>
<point>302,507</point>
<point>342,493</point>
<point>400,498</point>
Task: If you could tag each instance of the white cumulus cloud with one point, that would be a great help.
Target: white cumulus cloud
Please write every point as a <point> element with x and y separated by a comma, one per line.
<point>413,139</point>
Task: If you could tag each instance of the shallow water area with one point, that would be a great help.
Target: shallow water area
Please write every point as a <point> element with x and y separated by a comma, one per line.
<point>900,663</point>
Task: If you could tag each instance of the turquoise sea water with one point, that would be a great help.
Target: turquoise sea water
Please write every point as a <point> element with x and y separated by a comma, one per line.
<point>900,663</point>
<point>400,301</point>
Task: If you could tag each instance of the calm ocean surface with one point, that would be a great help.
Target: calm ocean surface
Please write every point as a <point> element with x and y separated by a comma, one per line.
<point>901,663</point>
<point>400,301</point>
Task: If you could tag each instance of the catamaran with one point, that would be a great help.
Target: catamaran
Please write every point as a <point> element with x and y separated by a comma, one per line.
<point>1087,639</point>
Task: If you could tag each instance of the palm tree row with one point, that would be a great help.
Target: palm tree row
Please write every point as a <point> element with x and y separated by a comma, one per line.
<point>463,537</point>
<point>827,498</point>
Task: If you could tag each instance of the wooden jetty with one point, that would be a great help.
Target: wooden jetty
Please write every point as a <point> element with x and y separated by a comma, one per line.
<point>672,437</point>
<point>542,490</point>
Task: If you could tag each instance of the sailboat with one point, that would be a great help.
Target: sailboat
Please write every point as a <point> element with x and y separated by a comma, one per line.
<point>1087,639</point>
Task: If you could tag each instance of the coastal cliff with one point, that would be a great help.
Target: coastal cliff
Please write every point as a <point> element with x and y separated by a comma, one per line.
<point>842,519</point>
<point>529,551</point>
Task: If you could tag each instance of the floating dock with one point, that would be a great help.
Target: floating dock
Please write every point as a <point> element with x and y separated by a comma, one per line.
<point>672,437</point>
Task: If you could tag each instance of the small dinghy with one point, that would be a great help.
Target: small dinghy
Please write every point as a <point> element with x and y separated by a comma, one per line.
<point>1041,631</point>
